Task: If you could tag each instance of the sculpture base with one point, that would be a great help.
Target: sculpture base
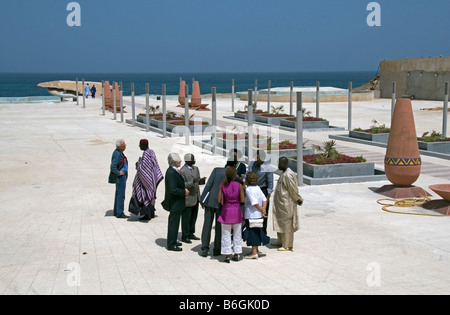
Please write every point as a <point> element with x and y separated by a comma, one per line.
<point>439,206</point>
<point>394,192</point>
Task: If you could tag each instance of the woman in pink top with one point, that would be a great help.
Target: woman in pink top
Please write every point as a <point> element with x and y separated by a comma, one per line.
<point>231,194</point>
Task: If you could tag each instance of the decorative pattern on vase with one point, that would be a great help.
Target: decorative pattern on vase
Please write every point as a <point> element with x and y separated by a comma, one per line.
<point>402,161</point>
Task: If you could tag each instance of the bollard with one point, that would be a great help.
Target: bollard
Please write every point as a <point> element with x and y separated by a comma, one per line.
<point>349,106</point>
<point>147,107</point>
<point>394,92</point>
<point>103,97</point>
<point>232,95</point>
<point>317,98</point>
<point>250,126</point>
<point>269,84</point>
<point>84,96</point>
<point>121,101</point>
<point>76,90</point>
<point>445,114</point>
<point>291,98</point>
<point>214,121</point>
<point>299,128</point>
<point>133,106</point>
<point>114,99</point>
<point>186,114</point>
<point>164,110</point>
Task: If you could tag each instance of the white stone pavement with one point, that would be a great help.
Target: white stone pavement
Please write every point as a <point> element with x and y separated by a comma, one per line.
<point>58,235</point>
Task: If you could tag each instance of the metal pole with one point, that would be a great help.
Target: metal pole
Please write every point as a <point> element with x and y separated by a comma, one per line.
<point>250,126</point>
<point>121,101</point>
<point>103,97</point>
<point>445,109</point>
<point>164,110</point>
<point>114,100</point>
<point>256,93</point>
<point>299,140</point>
<point>84,96</point>
<point>291,98</point>
<point>394,92</point>
<point>186,114</point>
<point>76,88</point>
<point>214,121</point>
<point>232,95</point>
<point>147,107</point>
<point>133,106</point>
<point>317,98</point>
<point>269,85</point>
<point>349,106</point>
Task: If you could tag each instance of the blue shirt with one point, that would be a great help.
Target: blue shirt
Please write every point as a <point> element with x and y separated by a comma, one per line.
<point>265,175</point>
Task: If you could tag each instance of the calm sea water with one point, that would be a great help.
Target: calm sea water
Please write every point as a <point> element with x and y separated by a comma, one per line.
<point>25,84</point>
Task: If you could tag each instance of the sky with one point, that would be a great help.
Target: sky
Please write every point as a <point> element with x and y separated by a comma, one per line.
<point>159,36</point>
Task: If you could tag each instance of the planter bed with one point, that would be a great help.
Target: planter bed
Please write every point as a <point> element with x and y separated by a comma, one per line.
<point>244,115</point>
<point>375,137</point>
<point>438,146</point>
<point>307,124</point>
<point>272,119</point>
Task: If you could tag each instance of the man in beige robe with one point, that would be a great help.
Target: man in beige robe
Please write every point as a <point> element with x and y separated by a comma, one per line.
<point>285,201</point>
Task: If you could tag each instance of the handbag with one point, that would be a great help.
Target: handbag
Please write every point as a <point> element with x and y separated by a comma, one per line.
<point>255,223</point>
<point>134,206</point>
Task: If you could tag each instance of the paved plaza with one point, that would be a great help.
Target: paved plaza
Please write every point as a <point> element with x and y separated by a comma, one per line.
<point>59,236</point>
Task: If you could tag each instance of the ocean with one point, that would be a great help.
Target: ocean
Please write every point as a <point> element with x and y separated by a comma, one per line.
<point>25,84</point>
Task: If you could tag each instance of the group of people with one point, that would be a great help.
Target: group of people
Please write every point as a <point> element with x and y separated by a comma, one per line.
<point>235,199</point>
<point>88,89</point>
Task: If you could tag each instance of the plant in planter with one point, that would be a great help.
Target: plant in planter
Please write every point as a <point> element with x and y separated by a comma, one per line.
<point>273,118</point>
<point>327,154</point>
<point>435,142</point>
<point>329,163</point>
<point>433,137</point>
<point>309,122</point>
<point>376,133</point>
<point>376,128</point>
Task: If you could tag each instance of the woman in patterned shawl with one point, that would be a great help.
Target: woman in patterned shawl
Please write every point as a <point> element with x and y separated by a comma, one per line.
<point>148,177</point>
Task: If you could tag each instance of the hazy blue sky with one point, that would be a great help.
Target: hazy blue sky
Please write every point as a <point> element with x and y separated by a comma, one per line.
<point>218,36</point>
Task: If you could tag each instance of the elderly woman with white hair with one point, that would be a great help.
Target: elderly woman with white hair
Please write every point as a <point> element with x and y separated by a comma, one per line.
<point>118,175</point>
<point>174,200</point>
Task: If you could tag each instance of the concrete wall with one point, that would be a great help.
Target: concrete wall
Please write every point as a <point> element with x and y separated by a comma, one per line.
<point>423,78</point>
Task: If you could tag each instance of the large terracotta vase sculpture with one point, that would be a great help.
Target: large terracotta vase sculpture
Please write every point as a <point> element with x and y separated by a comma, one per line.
<point>402,162</point>
<point>181,93</point>
<point>196,98</point>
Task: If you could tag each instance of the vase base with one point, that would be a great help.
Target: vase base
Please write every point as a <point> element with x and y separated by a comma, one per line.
<point>440,206</point>
<point>394,192</point>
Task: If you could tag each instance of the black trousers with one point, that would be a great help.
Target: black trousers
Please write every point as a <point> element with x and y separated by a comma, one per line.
<point>173,227</point>
<point>188,221</point>
<point>211,215</point>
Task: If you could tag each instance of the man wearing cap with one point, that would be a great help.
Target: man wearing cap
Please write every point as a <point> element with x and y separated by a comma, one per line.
<point>148,177</point>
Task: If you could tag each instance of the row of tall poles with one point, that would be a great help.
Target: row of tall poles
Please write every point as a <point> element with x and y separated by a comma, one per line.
<point>251,105</point>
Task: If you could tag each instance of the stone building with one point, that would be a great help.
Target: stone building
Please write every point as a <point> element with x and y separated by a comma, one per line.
<point>419,78</point>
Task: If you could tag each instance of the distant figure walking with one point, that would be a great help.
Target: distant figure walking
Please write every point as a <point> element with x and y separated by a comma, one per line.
<point>148,177</point>
<point>93,91</point>
<point>118,175</point>
<point>86,90</point>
